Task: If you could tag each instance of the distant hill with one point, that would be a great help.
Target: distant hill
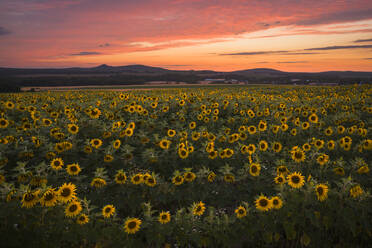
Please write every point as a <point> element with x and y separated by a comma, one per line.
<point>139,74</point>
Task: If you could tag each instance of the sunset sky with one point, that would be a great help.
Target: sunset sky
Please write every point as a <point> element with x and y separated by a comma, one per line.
<point>289,35</point>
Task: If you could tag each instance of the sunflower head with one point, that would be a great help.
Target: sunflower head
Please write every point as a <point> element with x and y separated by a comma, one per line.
<point>277,202</point>
<point>189,176</point>
<point>164,217</point>
<point>66,192</point>
<point>108,211</point>
<point>240,212</point>
<point>255,169</point>
<point>263,203</point>
<point>82,219</point>
<point>295,180</point>
<point>73,169</point>
<point>280,179</point>
<point>321,191</point>
<point>132,225</point>
<point>120,177</point>
<point>73,209</point>
<point>198,208</point>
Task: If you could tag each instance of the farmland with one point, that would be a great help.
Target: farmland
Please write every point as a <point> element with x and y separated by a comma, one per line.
<point>260,166</point>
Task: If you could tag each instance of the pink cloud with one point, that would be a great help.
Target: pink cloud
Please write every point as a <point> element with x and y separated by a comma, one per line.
<point>41,28</point>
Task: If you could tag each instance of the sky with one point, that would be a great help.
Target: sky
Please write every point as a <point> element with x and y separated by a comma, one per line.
<point>222,35</point>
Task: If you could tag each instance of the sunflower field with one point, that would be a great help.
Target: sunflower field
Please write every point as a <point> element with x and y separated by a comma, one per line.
<point>247,166</point>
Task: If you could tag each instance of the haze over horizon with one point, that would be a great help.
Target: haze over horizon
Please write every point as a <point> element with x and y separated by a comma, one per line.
<point>287,35</point>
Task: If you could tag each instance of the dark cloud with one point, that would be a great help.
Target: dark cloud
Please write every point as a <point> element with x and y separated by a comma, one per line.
<point>4,31</point>
<point>84,53</point>
<point>300,53</point>
<point>269,52</point>
<point>174,65</point>
<point>291,62</point>
<point>253,53</point>
<point>338,47</point>
<point>368,58</point>
<point>342,16</point>
<point>366,40</point>
<point>105,45</point>
<point>263,24</point>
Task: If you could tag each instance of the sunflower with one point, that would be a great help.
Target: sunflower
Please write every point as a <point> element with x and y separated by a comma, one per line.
<point>277,146</point>
<point>252,129</point>
<point>277,202</point>
<point>262,126</point>
<point>94,113</point>
<point>263,145</point>
<point>296,180</point>
<point>240,212</point>
<point>82,219</point>
<point>229,178</point>
<point>213,154</point>
<point>132,225</point>
<point>116,144</point>
<point>108,211</point>
<point>57,163</point>
<point>339,171</point>
<point>164,217</point>
<point>2,178</point>
<point>251,148</point>
<point>49,198</point>
<point>177,180</point>
<point>88,149</point>
<point>66,192</point>
<point>254,169</point>
<point>4,123</point>
<point>321,191</point>
<point>340,129</point>
<point>331,145</point>
<point>150,181</point>
<point>128,132</point>
<point>137,178</point>
<point>9,105</point>
<point>198,208</point>
<point>228,152</point>
<point>356,191</point>
<point>363,169</point>
<point>189,176</point>
<point>120,177</point>
<point>211,177</point>
<point>73,209</point>
<point>183,153</point>
<point>73,169</point>
<point>98,182</point>
<point>294,131</point>
<point>305,125</point>
<point>318,144</point>
<point>192,125</point>
<point>298,155</point>
<point>275,129</point>
<point>280,179</point>
<point>96,143</point>
<point>263,203</point>
<point>328,131</point>
<point>322,159</point>
<point>195,136</point>
<point>313,118</point>
<point>164,144</point>
<point>73,128</point>
<point>29,199</point>
<point>108,158</point>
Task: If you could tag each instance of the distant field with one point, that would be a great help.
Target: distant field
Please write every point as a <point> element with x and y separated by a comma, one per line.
<point>123,87</point>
